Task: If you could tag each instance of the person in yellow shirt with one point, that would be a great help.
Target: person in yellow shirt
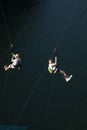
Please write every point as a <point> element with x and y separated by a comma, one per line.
<point>53,68</point>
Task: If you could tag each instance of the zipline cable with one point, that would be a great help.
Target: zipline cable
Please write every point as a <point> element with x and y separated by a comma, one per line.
<point>37,82</point>
<point>11,44</point>
<point>29,97</point>
<point>73,23</point>
<point>5,22</point>
<point>26,24</point>
<point>41,75</point>
<point>9,37</point>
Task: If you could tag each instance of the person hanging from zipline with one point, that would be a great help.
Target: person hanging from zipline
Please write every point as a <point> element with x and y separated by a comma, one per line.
<point>16,62</point>
<point>53,68</point>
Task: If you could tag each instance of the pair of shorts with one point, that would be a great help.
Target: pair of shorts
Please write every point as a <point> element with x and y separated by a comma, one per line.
<point>53,71</point>
<point>11,66</point>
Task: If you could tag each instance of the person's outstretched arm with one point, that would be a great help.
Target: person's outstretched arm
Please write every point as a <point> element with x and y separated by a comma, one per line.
<point>56,60</point>
<point>55,54</point>
<point>13,57</point>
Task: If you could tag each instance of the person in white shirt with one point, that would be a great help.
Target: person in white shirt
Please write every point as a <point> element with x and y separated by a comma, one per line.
<point>16,62</point>
<point>53,68</point>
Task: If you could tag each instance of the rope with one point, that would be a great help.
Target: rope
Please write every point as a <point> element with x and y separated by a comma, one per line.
<point>5,22</point>
<point>41,75</point>
<point>11,44</point>
<point>6,26</point>
<point>29,97</point>
<point>36,85</point>
<point>65,29</point>
<point>17,37</point>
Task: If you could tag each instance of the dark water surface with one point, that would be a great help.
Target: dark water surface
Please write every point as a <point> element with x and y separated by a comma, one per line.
<point>32,97</point>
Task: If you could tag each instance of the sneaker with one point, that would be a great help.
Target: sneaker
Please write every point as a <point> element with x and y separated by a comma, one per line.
<point>69,78</point>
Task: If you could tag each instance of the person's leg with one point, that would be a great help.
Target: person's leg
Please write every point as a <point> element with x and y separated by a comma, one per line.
<point>63,73</point>
<point>11,66</point>
<point>6,67</point>
<point>67,78</point>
